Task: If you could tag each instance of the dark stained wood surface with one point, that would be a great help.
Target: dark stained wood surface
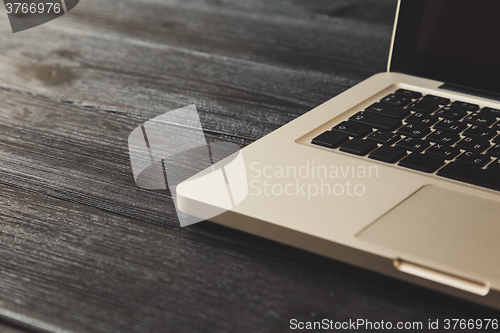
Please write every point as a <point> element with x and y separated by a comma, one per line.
<point>85,250</point>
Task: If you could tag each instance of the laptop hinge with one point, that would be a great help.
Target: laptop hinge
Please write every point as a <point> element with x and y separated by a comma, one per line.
<point>470,91</point>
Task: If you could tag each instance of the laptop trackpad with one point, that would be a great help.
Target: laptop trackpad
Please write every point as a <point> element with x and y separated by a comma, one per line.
<point>444,227</point>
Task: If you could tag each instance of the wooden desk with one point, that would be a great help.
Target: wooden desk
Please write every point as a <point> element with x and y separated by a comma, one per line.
<point>83,249</point>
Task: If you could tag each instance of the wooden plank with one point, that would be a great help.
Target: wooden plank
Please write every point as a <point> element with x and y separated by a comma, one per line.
<point>78,154</point>
<point>300,34</point>
<point>51,148</point>
<point>248,67</point>
<point>292,34</point>
<point>65,266</point>
<point>69,267</point>
<point>125,73</point>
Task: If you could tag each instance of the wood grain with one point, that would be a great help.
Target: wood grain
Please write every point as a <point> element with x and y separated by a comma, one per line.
<point>248,72</point>
<point>77,150</point>
<point>78,154</point>
<point>82,249</point>
<point>69,267</point>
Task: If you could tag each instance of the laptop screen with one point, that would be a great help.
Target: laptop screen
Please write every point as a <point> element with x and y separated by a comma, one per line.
<point>454,41</point>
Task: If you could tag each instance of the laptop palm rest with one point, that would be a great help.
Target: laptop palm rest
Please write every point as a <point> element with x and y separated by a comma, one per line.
<point>444,228</point>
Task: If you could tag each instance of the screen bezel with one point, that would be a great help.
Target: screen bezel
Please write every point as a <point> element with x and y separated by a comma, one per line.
<point>408,59</point>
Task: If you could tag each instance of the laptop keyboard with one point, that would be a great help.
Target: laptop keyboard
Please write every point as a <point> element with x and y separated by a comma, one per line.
<point>456,139</point>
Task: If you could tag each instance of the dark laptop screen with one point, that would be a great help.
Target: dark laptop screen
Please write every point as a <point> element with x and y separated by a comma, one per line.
<point>455,41</point>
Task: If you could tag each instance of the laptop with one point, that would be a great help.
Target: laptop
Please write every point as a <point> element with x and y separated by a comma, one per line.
<point>399,174</point>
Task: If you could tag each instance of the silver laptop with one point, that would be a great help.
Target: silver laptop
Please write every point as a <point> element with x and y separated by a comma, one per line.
<point>399,174</point>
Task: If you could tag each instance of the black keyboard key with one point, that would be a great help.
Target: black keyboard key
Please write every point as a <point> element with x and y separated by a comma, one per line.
<point>397,100</point>
<point>494,151</point>
<point>415,130</point>
<point>377,121</point>
<point>358,146</point>
<point>472,143</point>
<point>437,99</point>
<point>422,162</point>
<point>496,139</point>
<point>388,110</point>
<point>482,119</point>
<point>409,93</point>
<point>388,154</point>
<point>451,112</point>
<point>491,111</point>
<point>466,106</point>
<point>495,165</point>
<point>451,125</point>
<point>475,158</point>
<point>425,106</point>
<point>384,137</point>
<point>422,118</point>
<point>330,139</point>
<point>481,132</point>
<point>445,151</point>
<point>413,144</point>
<point>496,126</point>
<point>442,136</point>
<point>353,129</point>
<point>470,173</point>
